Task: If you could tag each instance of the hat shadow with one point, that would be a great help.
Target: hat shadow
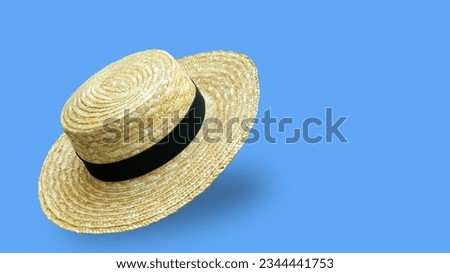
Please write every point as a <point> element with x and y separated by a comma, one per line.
<point>233,190</point>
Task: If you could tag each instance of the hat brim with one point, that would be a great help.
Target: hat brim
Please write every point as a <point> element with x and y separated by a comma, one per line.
<point>74,200</point>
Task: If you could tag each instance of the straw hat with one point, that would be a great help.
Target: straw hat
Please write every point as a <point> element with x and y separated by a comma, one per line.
<point>136,145</point>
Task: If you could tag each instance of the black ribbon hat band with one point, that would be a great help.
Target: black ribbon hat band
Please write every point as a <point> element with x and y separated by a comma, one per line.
<point>157,155</point>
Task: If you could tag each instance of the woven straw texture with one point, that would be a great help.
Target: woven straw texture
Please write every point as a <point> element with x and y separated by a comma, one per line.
<point>150,84</point>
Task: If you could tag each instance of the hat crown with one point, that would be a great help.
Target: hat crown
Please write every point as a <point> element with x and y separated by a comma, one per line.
<point>127,107</point>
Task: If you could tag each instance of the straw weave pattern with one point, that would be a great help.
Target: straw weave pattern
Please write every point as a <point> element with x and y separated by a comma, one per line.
<point>74,200</point>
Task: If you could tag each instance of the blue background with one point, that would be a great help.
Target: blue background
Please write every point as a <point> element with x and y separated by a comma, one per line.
<point>385,64</point>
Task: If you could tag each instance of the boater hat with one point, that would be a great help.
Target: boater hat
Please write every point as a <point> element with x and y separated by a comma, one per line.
<point>144,136</point>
